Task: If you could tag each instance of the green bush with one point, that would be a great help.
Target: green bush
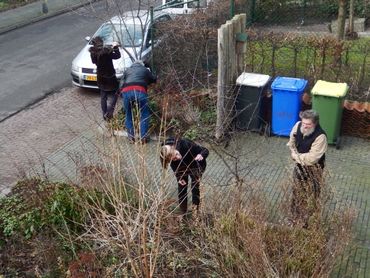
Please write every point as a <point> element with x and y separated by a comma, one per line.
<point>37,204</point>
<point>118,121</point>
<point>65,207</point>
<point>192,133</point>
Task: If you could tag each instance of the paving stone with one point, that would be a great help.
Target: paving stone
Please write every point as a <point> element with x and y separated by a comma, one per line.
<point>59,146</point>
<point>268,175</point>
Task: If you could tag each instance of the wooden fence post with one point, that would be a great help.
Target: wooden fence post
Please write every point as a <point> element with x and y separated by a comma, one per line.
<point>221,79</point>
<point>230,63</point>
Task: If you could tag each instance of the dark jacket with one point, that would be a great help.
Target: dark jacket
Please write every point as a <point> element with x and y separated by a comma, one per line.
<point>137,75</point>
<point>106,75</point>
<point>303,144</point>
<point>188,150</point>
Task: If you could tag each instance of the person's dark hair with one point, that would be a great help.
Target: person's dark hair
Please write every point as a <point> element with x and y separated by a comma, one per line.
<point>311,115</point>
<point>97,41</point>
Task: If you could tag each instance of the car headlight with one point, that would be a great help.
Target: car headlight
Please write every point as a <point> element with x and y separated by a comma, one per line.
<point>75,68</point>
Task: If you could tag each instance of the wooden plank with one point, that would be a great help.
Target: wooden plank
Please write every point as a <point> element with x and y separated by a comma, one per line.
<point>230,64</point>
<point>230,74</point>
<point>241,48</point>
<point>236,29</point>
<point>221,48</point>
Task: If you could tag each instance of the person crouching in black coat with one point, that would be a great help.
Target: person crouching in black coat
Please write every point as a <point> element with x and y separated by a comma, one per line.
<point>187,159</point>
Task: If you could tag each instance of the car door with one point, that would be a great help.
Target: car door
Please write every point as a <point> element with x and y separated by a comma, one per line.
<point>191,6</point>
<point>184,6</point>
<point>149,44</point>
<point>176,6</point>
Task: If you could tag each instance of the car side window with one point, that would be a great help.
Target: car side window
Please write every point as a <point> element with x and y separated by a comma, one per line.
<point>154,28</point>
<point>202,4</point>
<point>173,2</point>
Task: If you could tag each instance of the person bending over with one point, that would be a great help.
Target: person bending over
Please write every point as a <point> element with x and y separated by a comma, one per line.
<point>188,161</point>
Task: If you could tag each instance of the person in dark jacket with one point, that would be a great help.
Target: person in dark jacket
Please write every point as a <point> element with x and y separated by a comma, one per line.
<point>308,144</point>
<point>134,90</point>
<point>187,160</point>
<point>103,56</point>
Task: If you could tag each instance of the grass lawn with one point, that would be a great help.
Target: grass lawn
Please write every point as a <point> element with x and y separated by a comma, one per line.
<point>352,67</point>
<point>11,4</point>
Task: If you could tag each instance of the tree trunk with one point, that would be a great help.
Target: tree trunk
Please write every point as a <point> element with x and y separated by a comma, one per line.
<point>341,19</point>
<point>351,17</point>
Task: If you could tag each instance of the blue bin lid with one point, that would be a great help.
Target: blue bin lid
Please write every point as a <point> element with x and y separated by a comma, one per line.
<point>289,84</point>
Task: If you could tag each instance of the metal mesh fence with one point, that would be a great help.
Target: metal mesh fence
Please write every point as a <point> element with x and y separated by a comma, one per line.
<point>301,11</point>
<point>298,39</point>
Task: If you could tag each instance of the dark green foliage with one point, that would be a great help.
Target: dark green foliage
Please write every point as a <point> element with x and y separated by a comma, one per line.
<point>204,128</point>
<point>36,204</point>
<point>11,4</point>
<point>118,122</point>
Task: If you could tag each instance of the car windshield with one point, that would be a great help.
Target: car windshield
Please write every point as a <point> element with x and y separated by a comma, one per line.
<point>175,3</point>
<point>129,35</point>
<point>202,4</point>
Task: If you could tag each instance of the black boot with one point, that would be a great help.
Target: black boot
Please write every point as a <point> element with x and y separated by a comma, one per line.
<point>184,207</point>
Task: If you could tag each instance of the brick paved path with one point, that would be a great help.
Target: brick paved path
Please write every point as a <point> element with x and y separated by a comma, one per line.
<point>265,167</point>
<point>61,132</point>
<point>27,138</point>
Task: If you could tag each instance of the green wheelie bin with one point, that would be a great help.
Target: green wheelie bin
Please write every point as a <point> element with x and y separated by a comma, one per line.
<point>327,100</point>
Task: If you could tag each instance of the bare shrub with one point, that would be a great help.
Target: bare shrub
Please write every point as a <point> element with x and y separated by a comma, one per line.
<point>134,226</point>
<point>188,54</point>
<point>129,218</point>
<point>131,227</point>
<point>241,242</point>
<point>186,63</point>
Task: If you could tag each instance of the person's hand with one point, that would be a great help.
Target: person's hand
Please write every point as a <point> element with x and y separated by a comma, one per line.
<point>182,182</point>
<point>199,157</point>
<point>294,156</point>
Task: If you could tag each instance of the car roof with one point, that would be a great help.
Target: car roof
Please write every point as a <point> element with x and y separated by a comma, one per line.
<point>136,16</point>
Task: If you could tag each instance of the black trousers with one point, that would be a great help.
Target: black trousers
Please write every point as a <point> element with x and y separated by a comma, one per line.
<point>183,189</point>
<point>108,100</point>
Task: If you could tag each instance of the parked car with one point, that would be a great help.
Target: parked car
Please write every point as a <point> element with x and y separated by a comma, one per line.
<point>184,6</point>
<point>132,31</point>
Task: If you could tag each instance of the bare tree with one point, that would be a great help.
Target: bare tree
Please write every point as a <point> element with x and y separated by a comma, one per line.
<point>351,17</point>
<point>341,19</point>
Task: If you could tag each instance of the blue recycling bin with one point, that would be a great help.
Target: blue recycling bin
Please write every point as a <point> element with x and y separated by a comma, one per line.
<point>286,103</point>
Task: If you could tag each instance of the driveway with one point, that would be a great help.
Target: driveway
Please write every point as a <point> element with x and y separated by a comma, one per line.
<point>264,165</point>
<point>28,138</point>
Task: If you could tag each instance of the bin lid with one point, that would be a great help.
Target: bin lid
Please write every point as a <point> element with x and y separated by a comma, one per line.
<point>330,89</point>
<point>252,79</point>
<point>289,84</point>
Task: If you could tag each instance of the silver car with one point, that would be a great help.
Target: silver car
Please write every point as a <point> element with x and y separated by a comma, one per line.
<point>132,30</point>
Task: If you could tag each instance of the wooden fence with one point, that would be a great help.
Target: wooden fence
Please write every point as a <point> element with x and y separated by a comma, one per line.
<point>231,52</point>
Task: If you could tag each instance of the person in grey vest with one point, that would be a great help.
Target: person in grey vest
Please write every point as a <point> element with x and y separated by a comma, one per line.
<point>307,144</point>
